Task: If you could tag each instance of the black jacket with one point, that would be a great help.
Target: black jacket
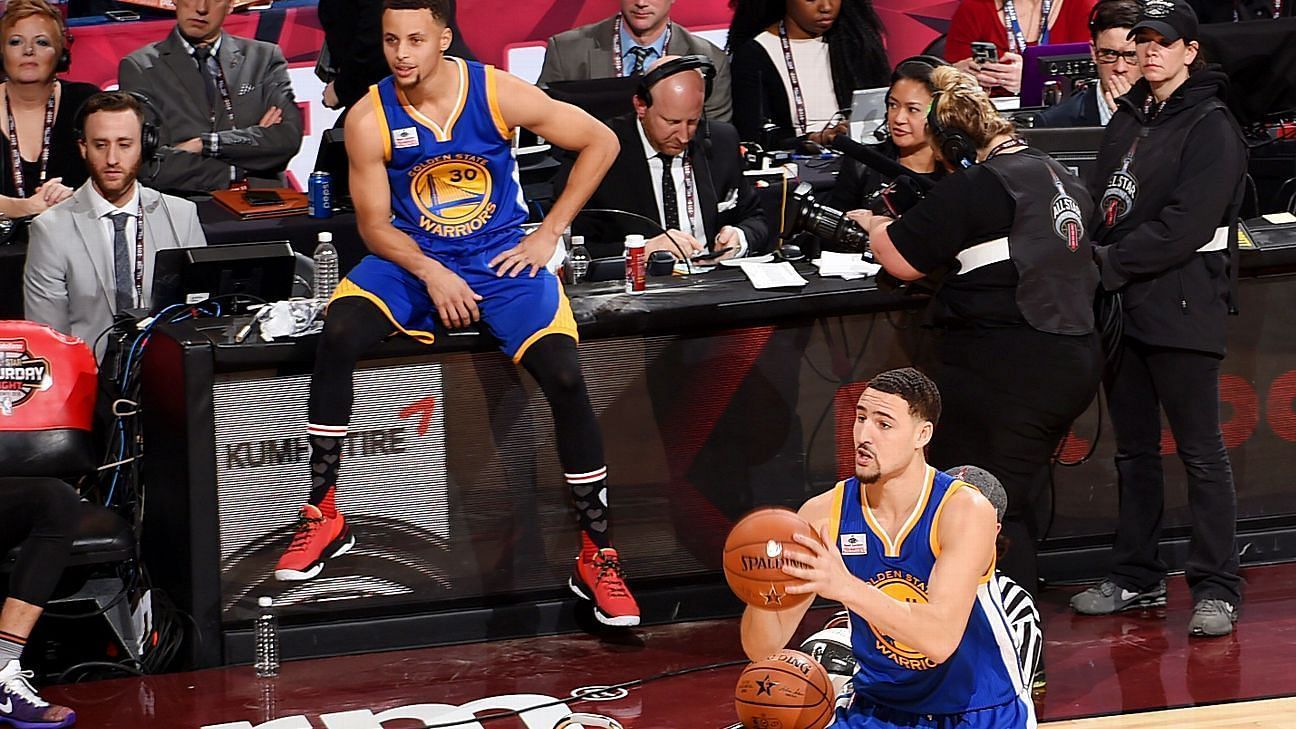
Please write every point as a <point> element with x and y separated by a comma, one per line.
<point>628,186</point>
<point>857,183</point>
<point>1078,110</point>
<point>759,97</point>
<point>1164,187</point>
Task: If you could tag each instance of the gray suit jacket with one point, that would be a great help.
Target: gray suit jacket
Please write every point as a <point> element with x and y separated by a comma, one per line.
<point>586,52</point>
<point>68,282</point>
<point>257,76</point>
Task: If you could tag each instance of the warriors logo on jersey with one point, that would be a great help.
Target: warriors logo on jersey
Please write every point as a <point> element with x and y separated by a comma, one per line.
<point>453,193</point>
<point>903,587</point>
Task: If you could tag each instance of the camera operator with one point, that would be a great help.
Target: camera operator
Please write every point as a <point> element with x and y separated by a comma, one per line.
<point>1018,356</point>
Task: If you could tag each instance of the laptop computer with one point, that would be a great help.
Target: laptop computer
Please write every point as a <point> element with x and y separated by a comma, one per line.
<point>868,112</point>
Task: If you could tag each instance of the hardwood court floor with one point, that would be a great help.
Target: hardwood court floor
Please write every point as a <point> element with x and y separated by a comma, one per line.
<point>1096,666</point>
<point>1265,714</point>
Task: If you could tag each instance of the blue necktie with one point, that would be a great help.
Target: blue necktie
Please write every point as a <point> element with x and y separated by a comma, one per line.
<point>125,294</point>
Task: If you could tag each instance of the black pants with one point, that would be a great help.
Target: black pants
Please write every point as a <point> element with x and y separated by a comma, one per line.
<point>1008,397</point>
<point>38,515</point>
<point>1186,385</point>
<point>355,326</point>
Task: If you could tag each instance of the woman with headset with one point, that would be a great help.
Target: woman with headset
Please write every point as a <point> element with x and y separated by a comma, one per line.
<point>1018,358</point>
<point>39,162</point>
<point>905,133</point>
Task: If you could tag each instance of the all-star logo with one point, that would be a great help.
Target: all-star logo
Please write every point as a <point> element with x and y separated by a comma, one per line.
<point>1068,222</point>
<point>1122,190</point>
<point>773,597</point>
<point>1158,8</point>
<point>21,374</point>
<point>765,686</point>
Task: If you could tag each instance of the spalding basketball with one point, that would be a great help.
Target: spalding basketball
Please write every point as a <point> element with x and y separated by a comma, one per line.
<point>788,690</point>
<point>753,558</point>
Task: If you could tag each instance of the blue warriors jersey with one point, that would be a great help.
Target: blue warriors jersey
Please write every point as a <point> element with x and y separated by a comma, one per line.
<point>982,672</point>
<point>451,187</point>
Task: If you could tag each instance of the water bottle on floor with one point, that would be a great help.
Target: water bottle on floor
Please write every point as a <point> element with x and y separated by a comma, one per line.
<point>266,634</point>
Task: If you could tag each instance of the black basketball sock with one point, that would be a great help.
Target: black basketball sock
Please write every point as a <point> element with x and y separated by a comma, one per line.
<point>589,496</point>
<point>555,363</point>
<point>325,461</point>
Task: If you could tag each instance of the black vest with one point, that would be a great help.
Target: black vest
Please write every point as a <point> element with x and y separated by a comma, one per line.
<point>1048,244</point>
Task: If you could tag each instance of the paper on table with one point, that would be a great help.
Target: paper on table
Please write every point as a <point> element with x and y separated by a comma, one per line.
<point>1280,218</point>
<point>846,265</point>
<point>747,261</point>
<point>773,275</point>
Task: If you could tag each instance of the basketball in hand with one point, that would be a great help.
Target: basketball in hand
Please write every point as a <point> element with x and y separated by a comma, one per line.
<point>753,558</point>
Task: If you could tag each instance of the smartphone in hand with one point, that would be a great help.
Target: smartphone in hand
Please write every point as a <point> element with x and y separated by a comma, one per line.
<point>984,52</point>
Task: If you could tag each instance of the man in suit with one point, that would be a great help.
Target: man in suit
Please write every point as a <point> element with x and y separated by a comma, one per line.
<point>1113,53</point>
<point>226,106</point>
<point>87,260</point>
<point>705,198</point>
<point>629,42</point>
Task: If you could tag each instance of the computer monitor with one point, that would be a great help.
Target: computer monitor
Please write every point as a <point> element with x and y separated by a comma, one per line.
<point>601,98</point>
<point>1066,63</point>
<point>1075,147</point>
<point>244,272</point>
<point>868,112</point>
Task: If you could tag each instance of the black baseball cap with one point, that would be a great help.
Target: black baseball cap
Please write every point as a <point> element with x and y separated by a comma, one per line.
<point>1173,19</point>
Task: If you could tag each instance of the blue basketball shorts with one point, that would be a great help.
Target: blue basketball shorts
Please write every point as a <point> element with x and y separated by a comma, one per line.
<point>1012,715</point>
<point>517,311</point>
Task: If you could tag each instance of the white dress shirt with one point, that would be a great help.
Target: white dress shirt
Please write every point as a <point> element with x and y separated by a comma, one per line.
<point>693,226</point>
<point>1104,111</point>
<point>102,210</point>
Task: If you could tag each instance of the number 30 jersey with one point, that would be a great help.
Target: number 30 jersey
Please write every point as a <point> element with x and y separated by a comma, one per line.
<point>451,187</point>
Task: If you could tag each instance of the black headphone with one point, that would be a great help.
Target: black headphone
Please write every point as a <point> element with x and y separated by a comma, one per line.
<point>955,145</point>
<point>150,136</point>
<point>922,59</point>
<point>676,65</point>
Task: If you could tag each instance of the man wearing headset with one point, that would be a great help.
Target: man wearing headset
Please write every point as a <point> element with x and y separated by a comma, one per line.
<point>1019,359</point>
<point>90,257</point>
<point>705,204</point>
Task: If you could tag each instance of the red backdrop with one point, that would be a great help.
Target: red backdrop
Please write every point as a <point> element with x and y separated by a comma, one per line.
<point>489,26</point>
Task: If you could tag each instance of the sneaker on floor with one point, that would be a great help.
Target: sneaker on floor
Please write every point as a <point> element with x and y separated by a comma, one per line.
<point>317,539</point>
<point>1039,684</point>
<point>600,579</point>
<point>1212,619</point>
<point>23,708</point>
<point>1107,597</point>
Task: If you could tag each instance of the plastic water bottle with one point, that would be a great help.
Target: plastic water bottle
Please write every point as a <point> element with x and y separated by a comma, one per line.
<point>578,259</point>
<point>326,268</point>
<point>266,634</point>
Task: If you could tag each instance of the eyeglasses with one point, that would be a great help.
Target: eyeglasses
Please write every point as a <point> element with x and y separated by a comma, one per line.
<point>1109,55</point>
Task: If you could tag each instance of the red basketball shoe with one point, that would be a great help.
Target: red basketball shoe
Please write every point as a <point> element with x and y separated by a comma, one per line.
<point>318,538</point>
<point>598,577</point>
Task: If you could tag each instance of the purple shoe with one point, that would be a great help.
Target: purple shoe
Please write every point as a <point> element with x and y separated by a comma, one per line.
<point>21,707</point>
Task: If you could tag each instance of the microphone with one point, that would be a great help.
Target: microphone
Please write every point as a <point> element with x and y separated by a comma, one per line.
<point>878,161</point>
<point>656,226</point>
